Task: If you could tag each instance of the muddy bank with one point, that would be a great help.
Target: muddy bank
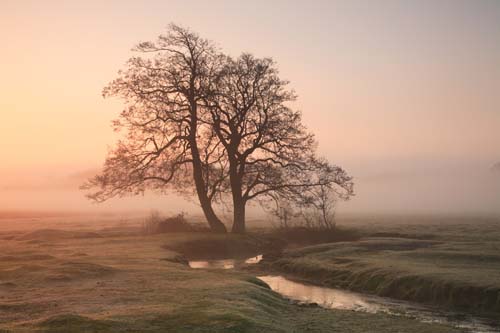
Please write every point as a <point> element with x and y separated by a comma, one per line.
<point>202,245</point>
<point>205,246</point>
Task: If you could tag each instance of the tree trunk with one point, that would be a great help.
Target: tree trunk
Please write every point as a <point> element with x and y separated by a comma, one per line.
<point>238,201</point>
<point>238,217</point>
<point>214,222</point>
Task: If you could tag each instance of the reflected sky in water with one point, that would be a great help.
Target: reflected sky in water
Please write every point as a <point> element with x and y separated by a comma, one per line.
<point>333,298</point>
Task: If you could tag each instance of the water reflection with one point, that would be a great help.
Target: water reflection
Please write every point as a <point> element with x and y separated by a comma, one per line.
<point>254,260</point>
<point>326,297</point>
<point>224,263</point>
<point>346,300</point>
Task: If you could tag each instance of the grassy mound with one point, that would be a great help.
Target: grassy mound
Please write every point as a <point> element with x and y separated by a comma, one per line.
<point>243,307</point>
<point>26,257</point>
<point>303,236</point>
<point>75,323</point>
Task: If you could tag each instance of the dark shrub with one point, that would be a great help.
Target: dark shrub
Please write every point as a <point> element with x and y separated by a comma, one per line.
<point>156,224</point>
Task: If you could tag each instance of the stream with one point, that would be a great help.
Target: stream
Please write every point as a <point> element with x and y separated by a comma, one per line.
<point>334,298</point>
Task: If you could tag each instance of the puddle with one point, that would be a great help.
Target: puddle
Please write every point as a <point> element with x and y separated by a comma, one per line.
<point>333,298</point>
<point>224,263</point>
<point>254,260</point>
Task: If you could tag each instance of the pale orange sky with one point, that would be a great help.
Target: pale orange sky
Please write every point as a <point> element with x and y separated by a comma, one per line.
<point>404,94</point>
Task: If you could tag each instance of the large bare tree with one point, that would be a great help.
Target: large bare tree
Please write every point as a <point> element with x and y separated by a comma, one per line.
<point>270,153</point>
<point>168,145</point>
<point>198,121</point>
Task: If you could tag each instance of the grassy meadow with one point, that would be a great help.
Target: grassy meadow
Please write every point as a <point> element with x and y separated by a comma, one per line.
<point>112,278</point>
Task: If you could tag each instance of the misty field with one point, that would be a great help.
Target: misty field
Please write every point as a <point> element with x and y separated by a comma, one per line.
<point>113,279</point>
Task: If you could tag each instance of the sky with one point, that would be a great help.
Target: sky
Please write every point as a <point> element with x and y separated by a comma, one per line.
<point>405,95</point>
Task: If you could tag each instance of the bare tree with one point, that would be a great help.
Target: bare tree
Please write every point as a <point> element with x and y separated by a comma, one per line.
<point>313,207</point>
<point>270,153</point>
<point>318,208</point>
<point>168,144</point>
<point>197,121</point>
<point>283,211</point>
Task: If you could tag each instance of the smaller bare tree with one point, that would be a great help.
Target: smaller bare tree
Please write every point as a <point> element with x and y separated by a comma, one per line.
<point>283,211</point>
<point>319,210</point>
<point>314,207</point>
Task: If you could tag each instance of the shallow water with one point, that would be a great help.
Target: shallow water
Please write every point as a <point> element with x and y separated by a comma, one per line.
<point>346,300</point>
<point>325,297</point>
<point>224,263</point>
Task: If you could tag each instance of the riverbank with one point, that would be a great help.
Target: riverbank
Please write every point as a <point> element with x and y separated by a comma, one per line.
<point>458,267</point>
